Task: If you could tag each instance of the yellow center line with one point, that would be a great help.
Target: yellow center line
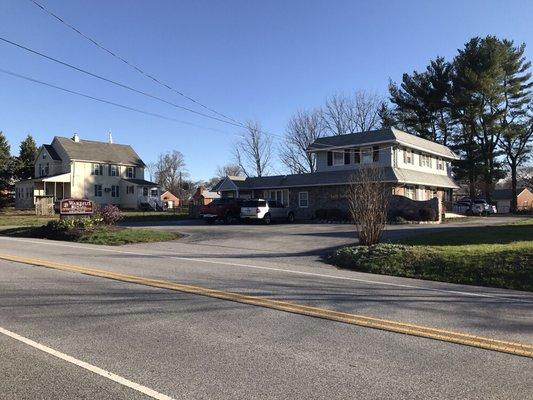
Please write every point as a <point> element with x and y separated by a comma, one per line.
<point>520,349</point>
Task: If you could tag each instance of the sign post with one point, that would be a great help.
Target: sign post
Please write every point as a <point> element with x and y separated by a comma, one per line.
<point>75,208</point>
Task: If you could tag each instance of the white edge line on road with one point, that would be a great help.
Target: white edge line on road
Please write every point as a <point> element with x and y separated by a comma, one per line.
<point>96,370</point>
<point>345,278</point>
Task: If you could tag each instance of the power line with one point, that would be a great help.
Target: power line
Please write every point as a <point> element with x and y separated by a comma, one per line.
<point>130,64</point>
<point>122,85</point>
<point>27,78</point>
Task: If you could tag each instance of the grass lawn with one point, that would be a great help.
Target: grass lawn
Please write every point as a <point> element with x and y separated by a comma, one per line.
<point>497,256</point>
<point>12,217</point>
<point>111,236</point>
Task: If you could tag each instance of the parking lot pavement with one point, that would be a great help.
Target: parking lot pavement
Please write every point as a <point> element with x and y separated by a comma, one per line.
<point>305,242</point>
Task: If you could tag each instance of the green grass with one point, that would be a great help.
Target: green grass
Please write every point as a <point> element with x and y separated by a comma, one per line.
<point>496,256</point>
<point>12,217</point>
<point>111,236</point>
<point>120,236</point>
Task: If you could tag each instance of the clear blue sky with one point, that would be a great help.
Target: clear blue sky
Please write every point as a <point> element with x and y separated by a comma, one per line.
<point>249,59</point>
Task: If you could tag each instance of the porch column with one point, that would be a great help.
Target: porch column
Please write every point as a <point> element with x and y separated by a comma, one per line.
<point>55,190</point>
<point>44,183</point>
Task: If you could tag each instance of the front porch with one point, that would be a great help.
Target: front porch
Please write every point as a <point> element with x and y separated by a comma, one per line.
<point>56,187</point>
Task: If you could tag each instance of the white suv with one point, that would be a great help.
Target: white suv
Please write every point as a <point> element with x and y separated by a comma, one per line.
<point>266,211</point>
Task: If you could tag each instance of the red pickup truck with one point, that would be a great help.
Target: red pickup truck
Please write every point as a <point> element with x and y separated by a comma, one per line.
<point>225,209</point>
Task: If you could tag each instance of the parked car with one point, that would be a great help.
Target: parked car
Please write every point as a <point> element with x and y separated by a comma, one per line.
<point>225,209</point>
<point>474,207</point>
<point>266,211</point>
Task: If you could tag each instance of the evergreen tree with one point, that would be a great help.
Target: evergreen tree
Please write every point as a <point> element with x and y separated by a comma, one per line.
<point>6,171</point>
<point>422,101</point>
<point>26,158</point>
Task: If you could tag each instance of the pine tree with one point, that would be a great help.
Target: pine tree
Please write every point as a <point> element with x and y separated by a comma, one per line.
<point>26,158</point>
<point>6,171</point>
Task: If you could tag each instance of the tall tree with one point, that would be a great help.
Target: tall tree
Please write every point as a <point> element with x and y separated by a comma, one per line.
<point>26,158</point>
<point>253,152</point>
<point>490,77</point>
<point>303,129</point>
<point>344,114</point>
<point>229,169</point>
<point>7,170</point>
<point>422,101</point>
<point>170,172</point>
<point>386,116</point>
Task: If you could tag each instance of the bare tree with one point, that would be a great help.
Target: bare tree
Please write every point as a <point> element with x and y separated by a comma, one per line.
<point>303,129</point>
<point>359,112</point>
<point>253,152</point>
<point>230,169</point>
<point>151,169</point>
<point>170,171</point>
<point>369,197</point>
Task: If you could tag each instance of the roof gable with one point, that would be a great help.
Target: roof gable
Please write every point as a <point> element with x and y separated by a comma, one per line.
<point>109,153</point>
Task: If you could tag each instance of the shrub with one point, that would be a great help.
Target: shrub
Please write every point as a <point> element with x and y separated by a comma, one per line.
<point>370,258</point>
<point>108,214</point>
<point>427,214</point>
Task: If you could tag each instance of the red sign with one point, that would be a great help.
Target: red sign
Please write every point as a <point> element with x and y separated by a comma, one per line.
<point>76,207</point>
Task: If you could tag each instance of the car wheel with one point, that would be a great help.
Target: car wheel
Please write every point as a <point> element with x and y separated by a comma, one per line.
<point>267,219</point>
<point>210,221</point>
<point>228,219</point>
<point>290,218</point>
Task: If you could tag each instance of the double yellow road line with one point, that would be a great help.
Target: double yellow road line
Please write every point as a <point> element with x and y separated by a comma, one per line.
<point>525,350</point>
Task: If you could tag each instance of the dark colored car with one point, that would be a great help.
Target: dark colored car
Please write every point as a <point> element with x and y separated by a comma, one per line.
<point>224,209</point>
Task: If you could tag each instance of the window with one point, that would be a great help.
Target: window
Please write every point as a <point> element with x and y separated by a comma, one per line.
<point>98,169</point>
<point>425,160</point>
<point>357,156</point>
<point>279,195</point>
<point>129,189</point>
<point>375,154</point>
<point>366,155</point>
<point>153,193</point>
<point>130,172</point>
<point>408,156</point>
<point>346,156</point>
<point>433,192</point>
<point>44,156</point>
<point>113,170</point>
<point>338,158</point>
<point>421,193</point>
<point>410,192</point>
<point>145,191</point>
<point>97,190</point>
<point>440,164</point>
<point>330,158</point>
<point>303,199</point>
<point>115,191</point>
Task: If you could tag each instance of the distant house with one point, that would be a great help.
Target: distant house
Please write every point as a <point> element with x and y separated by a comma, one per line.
<point>170,200</point>
<point>203,197</point>
<point>416,168</point>
<point>104,172</point>
<point>502,197</point>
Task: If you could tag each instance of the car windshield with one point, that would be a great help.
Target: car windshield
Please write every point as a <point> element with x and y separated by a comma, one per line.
<point>479,201</point>
<point>254,203</point>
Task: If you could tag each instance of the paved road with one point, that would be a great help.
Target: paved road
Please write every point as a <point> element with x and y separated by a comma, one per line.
<point>188,346</point>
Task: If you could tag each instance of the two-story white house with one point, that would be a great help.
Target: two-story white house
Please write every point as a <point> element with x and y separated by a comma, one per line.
<point>416,168</point>
<point>104,172</point>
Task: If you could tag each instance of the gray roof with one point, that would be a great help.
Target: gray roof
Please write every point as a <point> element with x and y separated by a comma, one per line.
<point>342,177</point>
<point>89,150</point>
<point>141,182</point>
<point>53,153</point>
<point>392,135</point>
<point>505,194</point>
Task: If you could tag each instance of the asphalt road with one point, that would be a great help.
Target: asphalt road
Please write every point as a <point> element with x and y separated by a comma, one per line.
<point>190,346</point>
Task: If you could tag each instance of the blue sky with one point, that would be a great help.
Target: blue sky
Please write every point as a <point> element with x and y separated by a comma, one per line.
<point>248,59</point>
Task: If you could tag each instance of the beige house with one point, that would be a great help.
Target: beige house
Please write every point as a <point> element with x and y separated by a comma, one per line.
<point>104,172</point>
<point>416,168</point>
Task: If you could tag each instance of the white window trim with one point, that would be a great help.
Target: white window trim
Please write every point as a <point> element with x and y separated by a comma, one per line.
<point>340,161</point>
<point>306,199</point>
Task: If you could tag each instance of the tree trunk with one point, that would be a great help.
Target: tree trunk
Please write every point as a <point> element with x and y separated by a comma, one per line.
<point>513,165</point>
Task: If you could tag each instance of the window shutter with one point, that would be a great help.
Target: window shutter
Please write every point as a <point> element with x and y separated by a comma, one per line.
<point>346,156</point>
<point>330,158</point>
<point>109,170</point>
<point>134,172</point>
<point>357,156</point>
